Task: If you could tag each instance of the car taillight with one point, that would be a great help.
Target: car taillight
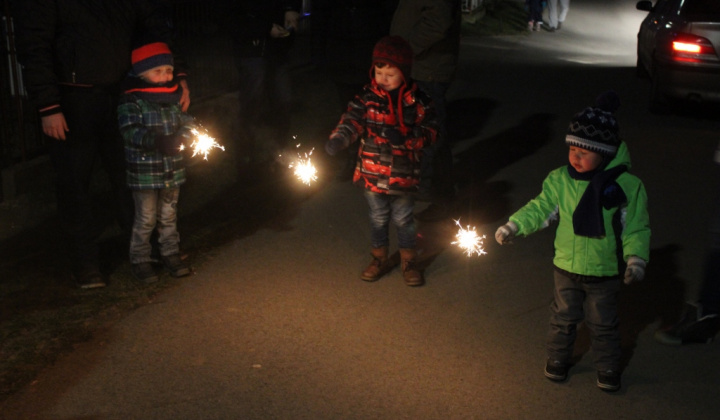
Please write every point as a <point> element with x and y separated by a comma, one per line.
<point>686,47</point>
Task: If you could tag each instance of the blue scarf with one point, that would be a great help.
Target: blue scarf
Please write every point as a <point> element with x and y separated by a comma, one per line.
<point>603,191</point>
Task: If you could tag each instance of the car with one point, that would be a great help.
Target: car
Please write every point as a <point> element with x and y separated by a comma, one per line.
<point>677,48</point>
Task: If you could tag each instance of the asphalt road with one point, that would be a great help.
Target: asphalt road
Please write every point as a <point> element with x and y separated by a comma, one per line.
<point>277,324</point>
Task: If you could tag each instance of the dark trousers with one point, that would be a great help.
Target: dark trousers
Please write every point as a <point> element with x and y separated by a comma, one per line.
<point>436,166</point>
<point>91,116</point>
<point>595,303</point>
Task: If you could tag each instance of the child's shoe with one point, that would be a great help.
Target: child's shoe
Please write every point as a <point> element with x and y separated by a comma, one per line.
<point>175,265</point>
<point>378,266</point>
<point>693,327</point>
<point>531,25</point>
<point>556,370</point>
<point>538,26</point>
<point>411,274</point>
<point>608,380</point>
<point>144,273</point>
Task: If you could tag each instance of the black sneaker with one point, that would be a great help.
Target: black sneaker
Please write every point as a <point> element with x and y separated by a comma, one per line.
<point>608,380</point>
<point>175,265</point>
<point>556,370</point>
<point>144,273</point>
<point>693,327</point>
<point>89,278</point>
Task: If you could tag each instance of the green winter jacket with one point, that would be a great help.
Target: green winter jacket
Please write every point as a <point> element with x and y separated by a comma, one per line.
<point>580,254</point>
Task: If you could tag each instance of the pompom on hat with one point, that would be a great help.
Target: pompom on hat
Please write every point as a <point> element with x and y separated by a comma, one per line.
<point>595,128</point>
<point>396,51</point>
<point>150,56</point>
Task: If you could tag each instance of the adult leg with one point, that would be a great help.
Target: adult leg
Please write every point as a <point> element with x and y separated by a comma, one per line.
<point>73,161</point>
<point>552,8</point>
<point>251,101</point>
<point>112,154</point>
<point>562,11</point>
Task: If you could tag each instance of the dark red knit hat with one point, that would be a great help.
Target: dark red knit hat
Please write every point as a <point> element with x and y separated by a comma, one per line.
<point>394,50</point>
<point>150,56</point>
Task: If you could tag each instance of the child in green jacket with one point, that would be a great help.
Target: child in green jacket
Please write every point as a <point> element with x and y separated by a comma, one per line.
<point>599,206</point>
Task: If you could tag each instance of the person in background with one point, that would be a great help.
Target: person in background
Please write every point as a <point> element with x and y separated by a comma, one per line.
<point>262,33</point>
<point>535,10</point>
<point>700,321</point>
<point>344,33</point>
<point>602,222</point>
<point>73,71</point>
<point>557,15</point>
<point>432,27</point>
<point>154,128</point>
<point>393,120</point>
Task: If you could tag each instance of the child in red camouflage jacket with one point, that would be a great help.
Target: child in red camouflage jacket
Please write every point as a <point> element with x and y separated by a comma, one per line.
<point>393,120</point>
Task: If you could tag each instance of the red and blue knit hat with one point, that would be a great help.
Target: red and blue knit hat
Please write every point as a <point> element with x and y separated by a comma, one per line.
<point>150,56</point>
<point>396,51</point>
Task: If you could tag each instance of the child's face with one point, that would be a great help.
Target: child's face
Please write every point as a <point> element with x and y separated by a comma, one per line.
<point>158,75</point>
<point>388,77</point>
<point>584,160</point>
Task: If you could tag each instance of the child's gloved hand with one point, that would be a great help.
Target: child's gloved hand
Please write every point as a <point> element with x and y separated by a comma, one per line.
<point>506,233</point>
<point>334,145</point>
<point>169,144</point>
<point>635,270</point>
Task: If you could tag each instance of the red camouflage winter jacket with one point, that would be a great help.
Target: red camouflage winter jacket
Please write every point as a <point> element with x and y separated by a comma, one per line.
<point>372,118</point>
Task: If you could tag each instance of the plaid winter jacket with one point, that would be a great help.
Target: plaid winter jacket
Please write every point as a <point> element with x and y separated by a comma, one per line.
<point>140,121</point>
<point>390,151</point>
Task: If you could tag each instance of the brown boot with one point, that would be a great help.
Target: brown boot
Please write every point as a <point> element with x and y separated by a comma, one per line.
<point>411,275</point>
<point>378,266</point>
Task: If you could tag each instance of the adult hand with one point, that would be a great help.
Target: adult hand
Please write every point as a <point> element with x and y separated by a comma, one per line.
<point>185,99</point>
<point>506,233</point>
<point>55,126</point>
<point>291,20</point>
<point>635,270</point>
<point>278,31</point>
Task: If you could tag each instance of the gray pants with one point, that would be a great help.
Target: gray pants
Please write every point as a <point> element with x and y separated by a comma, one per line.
<point>556,14</point>
<point>596,304</point>
<point>154,208</point>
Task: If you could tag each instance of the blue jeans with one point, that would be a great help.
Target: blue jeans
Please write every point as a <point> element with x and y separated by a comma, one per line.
<point>400,208</point>
<point>154,208</point>
<point>597,304</point>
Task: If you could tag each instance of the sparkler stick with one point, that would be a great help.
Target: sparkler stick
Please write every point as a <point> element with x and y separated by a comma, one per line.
<point>469,241</point>
<point>202,144</point>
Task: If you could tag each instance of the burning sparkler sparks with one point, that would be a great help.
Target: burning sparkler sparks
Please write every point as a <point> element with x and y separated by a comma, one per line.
<point>305,171</point>
<point>202,144</point>
<point>469,241</point>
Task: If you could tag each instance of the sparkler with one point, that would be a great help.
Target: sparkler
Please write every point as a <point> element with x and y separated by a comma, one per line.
<point>202,144</point>
<point>305,171</point>
<point>469,241</point>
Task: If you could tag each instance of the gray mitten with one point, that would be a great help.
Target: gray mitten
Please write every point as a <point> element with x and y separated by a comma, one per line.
<point>506,233</point>
<point>635,270</point>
